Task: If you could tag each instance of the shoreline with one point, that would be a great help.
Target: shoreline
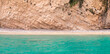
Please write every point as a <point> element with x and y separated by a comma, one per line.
<point>51,32</point>
<point>54,33</point>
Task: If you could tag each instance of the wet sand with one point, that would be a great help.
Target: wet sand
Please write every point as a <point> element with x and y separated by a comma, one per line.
<point>52,32</point>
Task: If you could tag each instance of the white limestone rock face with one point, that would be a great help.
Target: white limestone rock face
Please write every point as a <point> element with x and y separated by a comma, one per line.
<point>50,14</point>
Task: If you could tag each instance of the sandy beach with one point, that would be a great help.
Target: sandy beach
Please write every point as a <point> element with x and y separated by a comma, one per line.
<point>51,32</point>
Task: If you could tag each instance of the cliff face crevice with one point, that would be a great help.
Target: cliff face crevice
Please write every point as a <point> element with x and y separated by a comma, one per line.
<point>54,14</point>
<point>107,24</point>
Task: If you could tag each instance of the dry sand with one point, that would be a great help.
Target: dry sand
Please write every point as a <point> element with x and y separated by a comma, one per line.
<point>51,32</point>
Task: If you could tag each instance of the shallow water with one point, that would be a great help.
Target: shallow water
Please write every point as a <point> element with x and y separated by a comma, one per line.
<point>54,44</point>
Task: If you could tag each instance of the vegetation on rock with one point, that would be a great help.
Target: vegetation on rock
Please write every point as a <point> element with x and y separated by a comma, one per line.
<point>74,2</point>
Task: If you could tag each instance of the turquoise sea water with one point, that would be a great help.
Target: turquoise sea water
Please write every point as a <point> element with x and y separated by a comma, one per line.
<point>54,44</point>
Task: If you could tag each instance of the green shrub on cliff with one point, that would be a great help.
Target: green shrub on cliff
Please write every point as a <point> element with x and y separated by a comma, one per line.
<point>73,2</point>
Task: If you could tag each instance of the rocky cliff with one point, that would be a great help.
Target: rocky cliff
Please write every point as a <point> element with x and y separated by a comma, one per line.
<point>55,14</point>
<point>107,23</point>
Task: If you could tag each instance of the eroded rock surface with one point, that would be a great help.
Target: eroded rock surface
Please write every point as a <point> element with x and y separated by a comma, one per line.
<point>108,17</point>
<point>51,14</point>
